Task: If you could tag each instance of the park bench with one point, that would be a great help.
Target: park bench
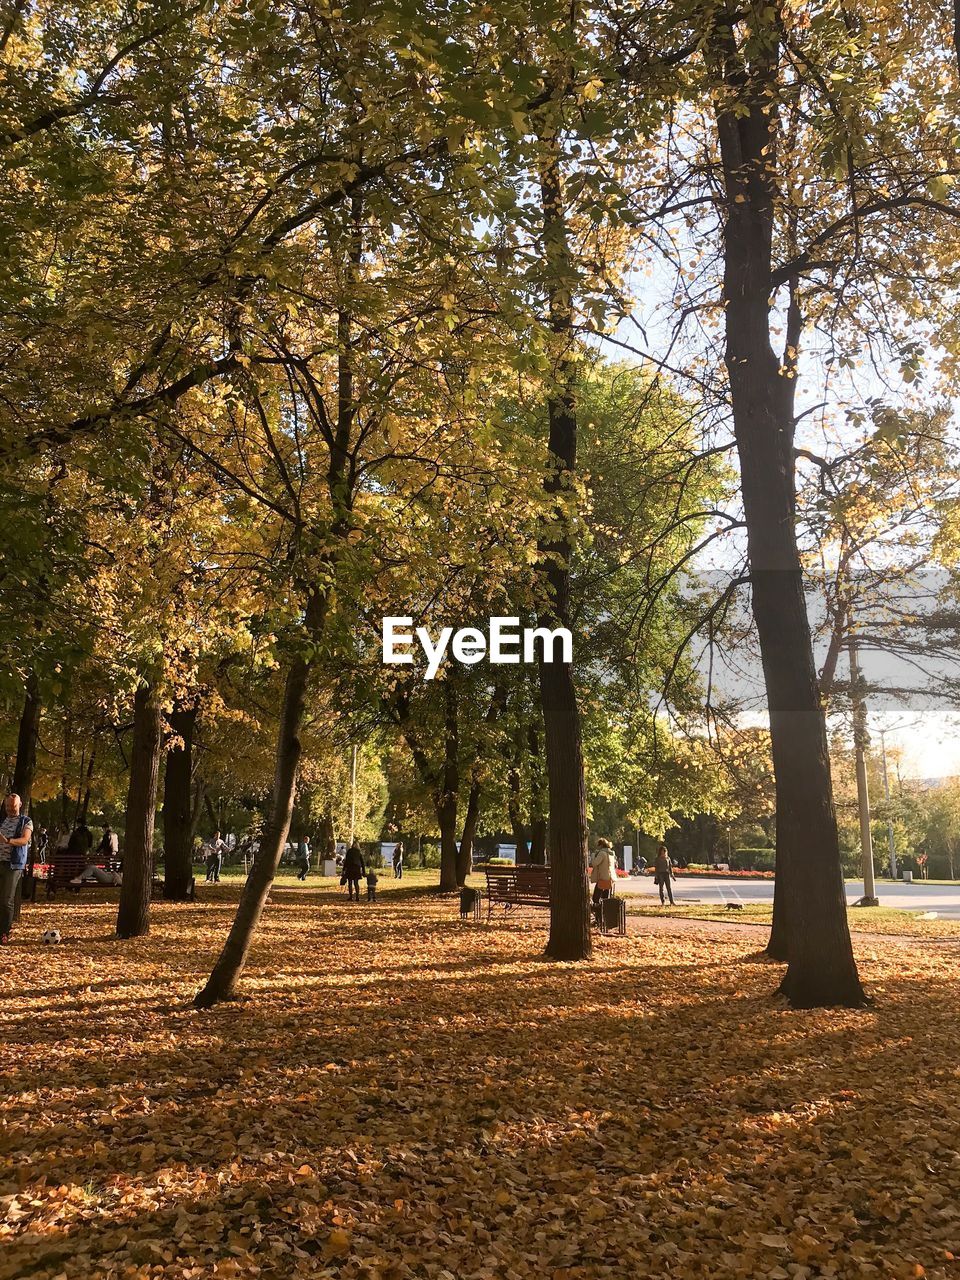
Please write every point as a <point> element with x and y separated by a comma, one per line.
<point>522,886</point>
<point>64,867</point>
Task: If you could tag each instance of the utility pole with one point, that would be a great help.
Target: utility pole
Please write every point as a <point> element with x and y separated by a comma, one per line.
<point>869,898</point>
<point>886,796</point>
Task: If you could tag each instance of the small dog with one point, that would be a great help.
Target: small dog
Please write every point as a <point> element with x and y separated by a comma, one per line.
<point>470,900</point>
<point>734,906</point>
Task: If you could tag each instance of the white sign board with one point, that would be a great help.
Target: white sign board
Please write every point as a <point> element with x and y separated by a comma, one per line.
<point>628,858</point>
<point>508,851</point>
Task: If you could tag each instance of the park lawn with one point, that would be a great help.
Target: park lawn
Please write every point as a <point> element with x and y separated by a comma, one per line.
<point>398,1095</point>
<point>885,920</point>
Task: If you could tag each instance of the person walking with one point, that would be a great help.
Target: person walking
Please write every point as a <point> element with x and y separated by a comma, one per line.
<point>353,870</point>
<point>603,869</point>
<point>398,861</point>
<point>663,873</point>
<point>303,858</point>
<point>16,832</point>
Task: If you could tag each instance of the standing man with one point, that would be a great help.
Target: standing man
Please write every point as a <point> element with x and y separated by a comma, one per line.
<point>215,851</point>
<point>303,857</point>
<point>398,861</point>
<point>16,832</point>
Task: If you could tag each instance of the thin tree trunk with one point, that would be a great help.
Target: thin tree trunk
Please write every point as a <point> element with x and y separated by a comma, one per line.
<point>133,917</point>
<point>327,838</point>
<point>538,818</point>
<point>199,793</point>
<point>569,895</point>
<point>515,806</point>
<point>65,776</point>
<point>445,800</point>
<point>25,769</point>
<point>178,804</point>
<point>470,819</point>
<point>821,968</point>
<point>88,781</point>
<point>222,982</point>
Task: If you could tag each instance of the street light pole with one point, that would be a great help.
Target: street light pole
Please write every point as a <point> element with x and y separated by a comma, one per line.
<point>886,795</point>
<point>869,898</point>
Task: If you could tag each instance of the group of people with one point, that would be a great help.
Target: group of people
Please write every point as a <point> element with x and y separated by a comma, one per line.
<point>603,873</point>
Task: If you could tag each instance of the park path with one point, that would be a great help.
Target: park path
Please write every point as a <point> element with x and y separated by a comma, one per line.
<point>680,925</point>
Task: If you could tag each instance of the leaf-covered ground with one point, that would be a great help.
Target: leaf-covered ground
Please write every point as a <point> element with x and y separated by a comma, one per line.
<point>890,921</point>
<point>401,1095</point>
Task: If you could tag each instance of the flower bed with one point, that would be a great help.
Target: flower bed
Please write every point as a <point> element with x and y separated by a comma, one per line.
<point>719,875</point>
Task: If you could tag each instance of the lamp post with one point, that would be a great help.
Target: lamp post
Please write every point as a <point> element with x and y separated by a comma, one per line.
<point>353,792</point>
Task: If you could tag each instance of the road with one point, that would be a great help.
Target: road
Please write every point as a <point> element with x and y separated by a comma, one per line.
<point>942,898</point>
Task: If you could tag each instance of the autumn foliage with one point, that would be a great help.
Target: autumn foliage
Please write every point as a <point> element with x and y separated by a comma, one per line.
<point>402,1096</point>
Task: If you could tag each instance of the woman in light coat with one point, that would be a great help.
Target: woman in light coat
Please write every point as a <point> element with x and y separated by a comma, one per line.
<point>603,869</point>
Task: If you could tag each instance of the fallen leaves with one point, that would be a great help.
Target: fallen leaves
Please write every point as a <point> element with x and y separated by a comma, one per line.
<point>408,1098</point>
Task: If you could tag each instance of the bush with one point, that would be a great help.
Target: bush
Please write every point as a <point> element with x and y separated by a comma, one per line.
<point>753,860</point>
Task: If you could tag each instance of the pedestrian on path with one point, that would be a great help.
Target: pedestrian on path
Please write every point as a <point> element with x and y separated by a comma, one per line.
<point>663,874</point>
<point>398,861</point>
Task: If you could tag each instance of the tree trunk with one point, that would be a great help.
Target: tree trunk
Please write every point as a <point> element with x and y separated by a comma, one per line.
<point>470,820</point>
<point>569,895</point>
<point>222,982</point>
<point>178,805</point>
<point>65,777</point>
<point>538,819</point>
<point>821,969</point>
<point>515,808</point>
<point>25,768</point>
<point>133,918</point>
<point>445,801</point>
<point>326,838</point>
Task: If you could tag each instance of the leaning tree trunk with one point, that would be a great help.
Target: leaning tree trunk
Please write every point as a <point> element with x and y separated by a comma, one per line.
<point>569,893</point>
<point>178,805</point>
<point>221,984</point>
<point>821,968</point>
<point>133,918</point>
<point>25,768</point>
<point>469,835</point>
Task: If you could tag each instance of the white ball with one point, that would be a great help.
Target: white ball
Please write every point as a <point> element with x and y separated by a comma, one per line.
<point>51,937</point>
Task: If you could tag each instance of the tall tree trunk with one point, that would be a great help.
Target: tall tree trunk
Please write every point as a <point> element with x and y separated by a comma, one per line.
<point>821,968</point>
<point>25,769</point>
<point>326,838</point>
<point>445,799</point>
<point>569,895</point>
<point>538,817</point>
<point>515,805</point>
<point>84,808</point>
<point>65,775</point>
<point>470,819</point>
<point>133,917</point>
<point>178,804</point>
<point>222,982</point>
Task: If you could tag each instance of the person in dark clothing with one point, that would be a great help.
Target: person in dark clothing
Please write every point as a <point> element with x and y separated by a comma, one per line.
<point>663,873</point>
<point>353,870</point>
<point>81,840</point>
<point>372,879</point>
<point>398,861</point>
<point>303,858</point>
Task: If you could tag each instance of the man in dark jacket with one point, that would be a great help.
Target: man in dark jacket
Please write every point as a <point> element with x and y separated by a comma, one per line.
<point>353,870</point>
